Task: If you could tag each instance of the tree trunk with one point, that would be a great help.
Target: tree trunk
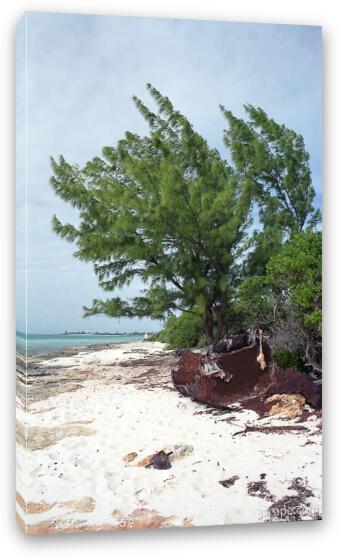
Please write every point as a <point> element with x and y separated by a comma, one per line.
<point>220,318</point>
<point>208,322</point>
<point>220,330</point>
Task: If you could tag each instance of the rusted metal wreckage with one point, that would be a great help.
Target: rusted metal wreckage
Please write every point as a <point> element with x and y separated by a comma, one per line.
<point>240,369</point>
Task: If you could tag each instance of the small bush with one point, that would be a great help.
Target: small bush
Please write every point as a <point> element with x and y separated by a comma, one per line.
<point>158,336</point>
<point>182,331</point>
<point>285,358</point>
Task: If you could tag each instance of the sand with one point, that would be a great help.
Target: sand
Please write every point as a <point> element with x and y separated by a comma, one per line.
<point>73,475</point>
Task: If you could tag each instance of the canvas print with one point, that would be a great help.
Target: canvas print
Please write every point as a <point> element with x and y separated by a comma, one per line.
<point>169,320</point>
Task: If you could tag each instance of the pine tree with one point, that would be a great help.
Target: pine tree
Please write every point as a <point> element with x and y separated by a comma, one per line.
<point>165,208</point>
<point>169,210</point>
<point>273,160</point>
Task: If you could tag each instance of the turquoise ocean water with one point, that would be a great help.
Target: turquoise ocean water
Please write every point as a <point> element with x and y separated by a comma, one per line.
<point>39,343</point>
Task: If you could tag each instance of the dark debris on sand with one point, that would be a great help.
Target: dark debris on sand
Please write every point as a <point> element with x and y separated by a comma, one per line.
<point>229,482</point>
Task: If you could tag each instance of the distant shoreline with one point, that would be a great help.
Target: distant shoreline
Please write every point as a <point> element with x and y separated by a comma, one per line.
<point>127,333</point>
<point>34,344</point>
<point>98,333</point>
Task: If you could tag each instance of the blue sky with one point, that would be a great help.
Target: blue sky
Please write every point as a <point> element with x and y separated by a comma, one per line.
<point>81,74</point>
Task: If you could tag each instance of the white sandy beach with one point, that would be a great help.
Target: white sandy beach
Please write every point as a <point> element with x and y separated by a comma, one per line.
<point>72,475</point>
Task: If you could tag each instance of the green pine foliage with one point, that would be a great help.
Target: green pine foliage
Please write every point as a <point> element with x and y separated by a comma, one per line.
<point>165,208</point>
<point>274,162</point>
<point>168,209</point>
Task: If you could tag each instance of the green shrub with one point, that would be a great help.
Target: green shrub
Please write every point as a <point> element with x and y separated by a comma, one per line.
<point>182,331</point>
<point>285,358</point>
<point>158,336</point>
<point>296,273</point>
